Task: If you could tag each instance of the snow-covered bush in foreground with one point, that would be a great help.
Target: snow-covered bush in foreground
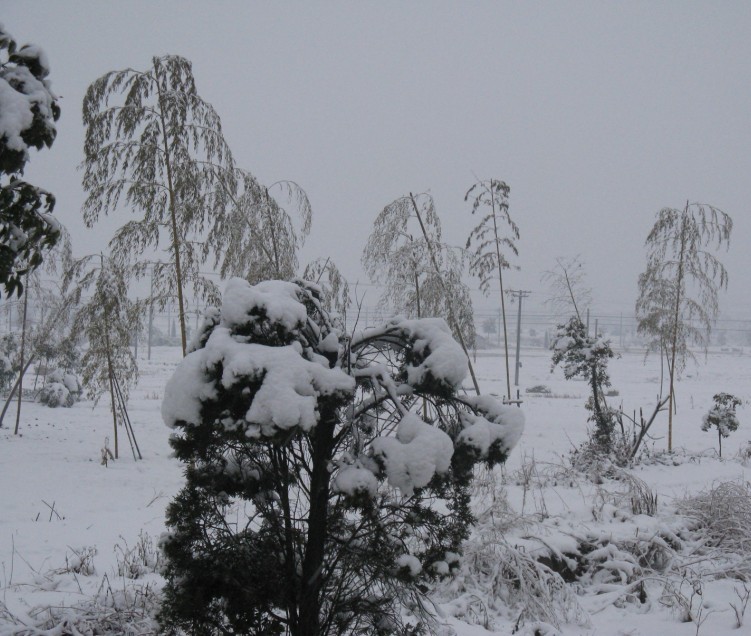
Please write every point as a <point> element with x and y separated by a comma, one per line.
<point>327,475</point>
<point>28,112</point>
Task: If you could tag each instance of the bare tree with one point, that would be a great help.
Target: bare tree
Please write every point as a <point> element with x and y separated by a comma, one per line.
<point>678,291</point>
<point>569,292</point>
<point>160,151</point>
<point>490,198</point>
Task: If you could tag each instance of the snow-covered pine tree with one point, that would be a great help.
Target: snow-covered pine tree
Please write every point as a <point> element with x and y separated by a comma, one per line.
<point>29,111</point>
<point>678,291</point>
<point>326,475</point>
<point>491,243</point>
<point>159,149</point>
<point>106,318</point>
<point>422,275</point>
<point>584,356</point>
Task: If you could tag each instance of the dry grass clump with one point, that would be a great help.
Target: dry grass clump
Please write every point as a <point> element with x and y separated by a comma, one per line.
<point>721,517</point>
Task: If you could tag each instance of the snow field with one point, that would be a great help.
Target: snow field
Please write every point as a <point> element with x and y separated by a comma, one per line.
<point>534,504</point>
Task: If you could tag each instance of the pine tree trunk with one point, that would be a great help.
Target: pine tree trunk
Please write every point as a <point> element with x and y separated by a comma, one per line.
<point>312,582</point>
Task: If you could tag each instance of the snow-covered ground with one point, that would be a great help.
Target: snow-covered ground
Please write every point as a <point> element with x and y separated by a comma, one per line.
<point>71,528</point>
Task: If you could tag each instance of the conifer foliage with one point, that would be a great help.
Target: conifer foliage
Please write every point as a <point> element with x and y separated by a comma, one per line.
<point>326,474</point>
<point>28,112</point>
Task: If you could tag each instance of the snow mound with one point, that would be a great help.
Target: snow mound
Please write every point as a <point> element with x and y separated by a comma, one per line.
<point>418,452</point>
<point>495,427</point>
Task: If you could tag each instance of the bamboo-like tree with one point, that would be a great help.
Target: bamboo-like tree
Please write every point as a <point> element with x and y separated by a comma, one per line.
<point>259,238</point>
<point>490,241</point>
<point>156,147</point>
<point>679,290</point>
<point>334,288</point>
<point>422,275</point>
<point>106,318</point>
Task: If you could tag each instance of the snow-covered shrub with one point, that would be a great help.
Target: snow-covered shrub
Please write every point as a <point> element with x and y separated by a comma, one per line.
<point>327,474</point>
<point>9,346</point>
<point>722,416</point>
<point>56,394</point>
<point>61,389</point>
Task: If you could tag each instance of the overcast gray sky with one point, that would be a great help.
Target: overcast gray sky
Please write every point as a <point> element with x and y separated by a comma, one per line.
<point>597,114</point>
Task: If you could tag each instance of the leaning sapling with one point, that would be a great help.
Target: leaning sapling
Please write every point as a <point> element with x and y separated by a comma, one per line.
<point>722,416</point>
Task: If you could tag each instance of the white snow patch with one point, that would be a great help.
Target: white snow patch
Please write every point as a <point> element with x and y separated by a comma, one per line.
<point>351,480</point>
<point>410,562</point>
<point>418,452</point>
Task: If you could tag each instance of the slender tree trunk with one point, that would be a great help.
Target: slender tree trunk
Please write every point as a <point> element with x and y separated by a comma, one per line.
<point>110,369</point>
<point>719,436</point>
<point>676,314</point>
<point>173,222</point>
<point>23,352</point>
<point>503,299</point>
<point>110,373</point>
<point>312,567</point>
<point>417,292</point>
<point>449,301</point>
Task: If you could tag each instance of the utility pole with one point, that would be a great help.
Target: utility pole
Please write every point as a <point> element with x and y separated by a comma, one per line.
<point>518,294</point>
